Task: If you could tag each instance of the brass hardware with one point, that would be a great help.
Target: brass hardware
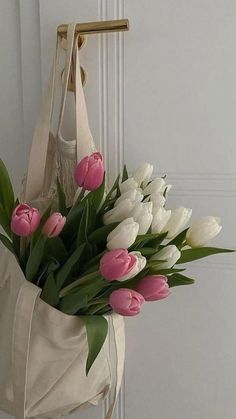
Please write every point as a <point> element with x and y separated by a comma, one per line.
<point>90,28</point>
<point>96,27</point>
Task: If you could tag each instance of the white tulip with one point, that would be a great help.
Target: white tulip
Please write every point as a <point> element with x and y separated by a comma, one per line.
<point>202,231</point>
<point>167,189</point>
<point>142,214</point>
<point>135,195</point>
<point>119,213</point>
<point>124,235</point>
<point>128,184</point>
<point>157,199</point>
<point>160,218</point>
<point>143,173</point>
<point>170,254</point>
<point>138,267</point>
<point>155,186</point>
<point>178,220</point>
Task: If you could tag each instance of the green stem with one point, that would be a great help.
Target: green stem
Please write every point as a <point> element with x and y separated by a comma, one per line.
<point>79,281</point>
<point>79,199</point>
<point>22,248</point>
<point>94,261</point>
<point>96,308</point>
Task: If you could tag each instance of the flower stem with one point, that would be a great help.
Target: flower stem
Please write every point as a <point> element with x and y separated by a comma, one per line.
<point>80,197</point>
<point>96,308</point>
<point>79,281</point>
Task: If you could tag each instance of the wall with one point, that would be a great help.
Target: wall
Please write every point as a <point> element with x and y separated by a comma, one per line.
<point>165,92</point>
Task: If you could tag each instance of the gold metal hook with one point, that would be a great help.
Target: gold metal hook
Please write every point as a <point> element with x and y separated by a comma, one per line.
<point>89,28</point>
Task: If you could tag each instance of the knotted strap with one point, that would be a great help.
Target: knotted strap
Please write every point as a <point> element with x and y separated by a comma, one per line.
<point>24,310</point>
<point>83,144</point>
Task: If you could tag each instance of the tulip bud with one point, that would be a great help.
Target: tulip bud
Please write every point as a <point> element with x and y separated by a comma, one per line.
<point>155,186</point>
<point>54,225</point>
<point>135,195</point>
<point>128,184</point>
<point>25,220</point>
<point>203,231</point>
<point>142,214</point>
<point>117,263</point>
<point>170,254</point>
<point>138,267</point>
<point>157,199</point>
<point>153,287</point>
<point>178,220</point>
<point>124,235</point>
<point>119,213</point>
<point>89,173</point>
<point>143,173</point>
<point>126,302</point>
<point>160,219</point>
<point>166,189</point>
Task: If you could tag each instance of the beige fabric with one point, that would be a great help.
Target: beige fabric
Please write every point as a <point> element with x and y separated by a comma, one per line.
<point>43,351</point>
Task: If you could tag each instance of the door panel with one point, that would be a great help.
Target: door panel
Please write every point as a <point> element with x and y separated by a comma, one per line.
<point>165,92</point>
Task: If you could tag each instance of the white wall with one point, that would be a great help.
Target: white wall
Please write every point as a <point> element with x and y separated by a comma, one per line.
<point>165,92</point>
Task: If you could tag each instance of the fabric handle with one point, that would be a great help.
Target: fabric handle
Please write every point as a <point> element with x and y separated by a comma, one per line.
<point>24,310</point>
<point>38,153</point>
<point>84,139</point>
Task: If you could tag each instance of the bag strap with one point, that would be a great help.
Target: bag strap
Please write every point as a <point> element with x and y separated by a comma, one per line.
<point>119,337</point>
<point>24,310</point>
<point>84,140</point>
<point>68,61</point>
<point>38,153</point>
<point>85,144</point>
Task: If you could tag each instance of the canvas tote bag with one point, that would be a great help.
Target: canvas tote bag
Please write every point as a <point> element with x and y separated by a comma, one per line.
<point>42,350</point>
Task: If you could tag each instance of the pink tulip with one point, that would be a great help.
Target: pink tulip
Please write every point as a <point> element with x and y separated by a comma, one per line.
<point>54,225</point>
<point>153,287</point>
<point>89,173</point>
<point>25,220</point>
<point>126,302</point>
<point>117,263</point>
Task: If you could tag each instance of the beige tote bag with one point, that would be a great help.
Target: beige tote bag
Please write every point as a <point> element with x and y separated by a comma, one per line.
<point>43,351</point>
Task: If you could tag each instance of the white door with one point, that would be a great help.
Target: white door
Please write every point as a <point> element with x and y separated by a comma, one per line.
<point>165,93</point>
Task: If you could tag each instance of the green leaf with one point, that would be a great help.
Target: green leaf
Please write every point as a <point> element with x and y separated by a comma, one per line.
<point>110,193</point>
<point>35,236</point>
<point>55,248</point>
<point>179,240</point>
<point>148,251</point>
<point>97,196</point>
<point>61,199</point>
<point>150,239</point>
<point>83,227</point>
<point>6,191</point>
<point>188,255</point>
<point>72,221</point>
<point>72,303</point>
<point>35,258</point>
<point>68,266</point>
<point>50,291</point>
<point>97,328</point>
<point>125,174</point>
<point>5,221</point>
<point>177,279</point>
<point>7,243</point>
<point>101,233</point>
<point>166,272</point>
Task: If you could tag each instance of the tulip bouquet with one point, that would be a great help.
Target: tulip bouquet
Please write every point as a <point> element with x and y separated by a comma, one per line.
<point>109,251</point>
